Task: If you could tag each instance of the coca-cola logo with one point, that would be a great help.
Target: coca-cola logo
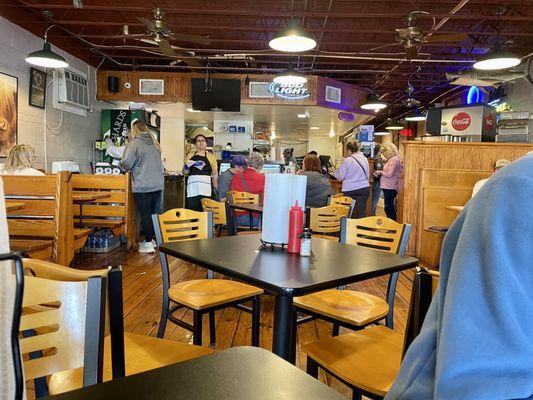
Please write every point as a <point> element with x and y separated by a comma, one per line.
<point>489,122</point>
<point>461,121</point>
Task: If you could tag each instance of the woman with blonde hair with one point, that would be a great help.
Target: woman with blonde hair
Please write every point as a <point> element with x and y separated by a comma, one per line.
<point>390,178</point>
<point>19,161</point>
<point>142,157</point>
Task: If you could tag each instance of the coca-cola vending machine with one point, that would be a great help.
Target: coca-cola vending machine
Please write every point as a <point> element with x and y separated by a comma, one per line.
<point>477,122</point>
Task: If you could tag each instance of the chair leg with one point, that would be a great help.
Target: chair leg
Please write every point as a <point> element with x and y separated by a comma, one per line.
<point>356,395</point>
<point>336,329</point>
<point>197,328</point>
<point>256,319</point>
<point>312,367</point>
<point>219,230</point>
<point>164,317</point>
<point>212,330</point>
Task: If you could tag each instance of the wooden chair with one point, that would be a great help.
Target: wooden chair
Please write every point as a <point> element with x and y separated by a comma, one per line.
<point>202,296</point>
<point>124,353</point>
<point>44,228</point>
<point>218,208</point>
<point>69,317</point>
<point>326,221</point>
<point>116,212</point>
<point>343,201</point>
<point>235,197</point>
<point>368,361</point>
<point>353,309</point>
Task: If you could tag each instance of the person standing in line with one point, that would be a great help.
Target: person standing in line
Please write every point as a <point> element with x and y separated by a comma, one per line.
<point>202,170</point>
<point>142,157</point>
<point>376,188</point>
<point>390,178</point>
<point>318,186</point>
<point>19,161</point>
<point>354,173</point>
<point>237,166</point>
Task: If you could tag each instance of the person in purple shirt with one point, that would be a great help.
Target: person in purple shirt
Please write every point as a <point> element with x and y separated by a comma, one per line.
<point>354,173</point>
<point>390,177</point>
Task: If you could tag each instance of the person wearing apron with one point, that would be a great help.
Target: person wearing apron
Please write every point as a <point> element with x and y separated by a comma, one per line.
<point>201,168</point>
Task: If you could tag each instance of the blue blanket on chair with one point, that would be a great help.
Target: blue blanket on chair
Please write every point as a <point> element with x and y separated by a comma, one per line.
<point>477,339</point>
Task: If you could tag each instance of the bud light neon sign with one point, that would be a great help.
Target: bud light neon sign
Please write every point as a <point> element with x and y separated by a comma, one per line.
<point>289,91</point>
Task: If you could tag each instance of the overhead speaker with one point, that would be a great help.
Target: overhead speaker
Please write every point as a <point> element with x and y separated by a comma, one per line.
<point>113,84</point>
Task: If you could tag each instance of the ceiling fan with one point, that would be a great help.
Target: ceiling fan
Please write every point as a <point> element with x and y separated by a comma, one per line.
<point>158,33</point>
<point>412,36</point>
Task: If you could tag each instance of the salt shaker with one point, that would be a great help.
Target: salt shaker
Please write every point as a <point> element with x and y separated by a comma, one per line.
<point>305,245</point>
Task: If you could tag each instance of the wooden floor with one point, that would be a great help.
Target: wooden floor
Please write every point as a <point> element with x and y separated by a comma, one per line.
<point>142,305</point>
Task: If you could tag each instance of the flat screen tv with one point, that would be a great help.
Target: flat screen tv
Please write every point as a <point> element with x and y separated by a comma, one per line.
<point>216,94</point>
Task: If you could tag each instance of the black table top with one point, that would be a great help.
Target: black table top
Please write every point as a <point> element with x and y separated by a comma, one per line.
<point>248,207</point>
<point>274,269</point>
<point>240,373</point>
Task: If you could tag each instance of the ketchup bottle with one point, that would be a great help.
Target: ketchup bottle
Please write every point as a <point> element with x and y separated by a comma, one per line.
<point>296,227</point>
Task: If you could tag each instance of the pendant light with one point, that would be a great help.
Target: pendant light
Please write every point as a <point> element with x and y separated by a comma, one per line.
<point>290,77</point>
<point>497,59</point>
<point>292,40</point>
<point>393,125</point>
<point>46,57</point>
<point>373,103</point>
<point>381,133</point>
<point>416,115</point>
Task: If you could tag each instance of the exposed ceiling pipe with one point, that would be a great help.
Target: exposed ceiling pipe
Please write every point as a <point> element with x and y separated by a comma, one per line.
<point>324,24</point>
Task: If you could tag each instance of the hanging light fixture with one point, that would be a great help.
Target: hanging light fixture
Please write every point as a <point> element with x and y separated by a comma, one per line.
<point>292,40</point>
<point>373,103</point>
<point>382,133</point>
<point>290,77</point>
<point>416,115</point>
<point>393,125</point>
<point>497,59</point>
<point>46,57</point>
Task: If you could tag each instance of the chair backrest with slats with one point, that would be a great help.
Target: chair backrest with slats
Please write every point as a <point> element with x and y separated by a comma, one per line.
<point>182,224</point>
<point>47,212</point>
<point>218,208</point>
<point>379,233</point>
<point>68,318</point>
<point>425,284</point>
<point>343,201</point>
<point>243,198</point>
<point>327,219</point>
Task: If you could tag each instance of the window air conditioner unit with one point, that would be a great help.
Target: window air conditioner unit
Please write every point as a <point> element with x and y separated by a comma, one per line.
<point>333,94</point>
<point>73,88</point>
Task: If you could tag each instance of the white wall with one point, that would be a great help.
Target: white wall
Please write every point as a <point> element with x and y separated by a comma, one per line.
<point>323,145</point>
<point>74,140</point>
<point>172,134</point>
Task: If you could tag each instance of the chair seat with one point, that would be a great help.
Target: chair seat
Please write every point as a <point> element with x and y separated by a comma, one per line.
<point>368,359</point>
<point>199,294</point>
<point>348,306</point>
<point>142,353</point>
<point>327,237</point>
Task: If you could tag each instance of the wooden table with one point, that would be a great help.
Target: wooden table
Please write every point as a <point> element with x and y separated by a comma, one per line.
<point>250,208</point>
<point>239,373</point>
<point>455,208</point>
<point>287,275</point>
<point>14,205</point>
<point>82,198</point>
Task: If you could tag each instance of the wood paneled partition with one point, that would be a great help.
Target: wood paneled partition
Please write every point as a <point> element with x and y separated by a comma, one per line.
<point>461,164</point>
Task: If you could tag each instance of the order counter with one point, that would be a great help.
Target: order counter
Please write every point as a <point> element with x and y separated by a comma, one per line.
<point>442,174</point>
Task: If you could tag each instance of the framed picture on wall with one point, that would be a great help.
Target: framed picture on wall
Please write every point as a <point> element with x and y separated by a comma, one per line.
<point>8,113</point>
<point>37,96</point>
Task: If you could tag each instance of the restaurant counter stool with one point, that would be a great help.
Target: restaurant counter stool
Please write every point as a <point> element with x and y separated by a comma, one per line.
<point>139,352</point>
<point>202,296</point>
<point>325,221</point>
<point>343,201</point>
<point>368,361</point>
<point>70,319</point>
<point>353,309</point>
<point>218,208</point>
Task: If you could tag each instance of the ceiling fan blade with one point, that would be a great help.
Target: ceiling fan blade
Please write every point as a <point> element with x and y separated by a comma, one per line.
<point>447,38</point>
<point>130,36</point>
<point>166,48</point>
<point>194,62</point>
<point>182,37</point>
<point>147,23</point>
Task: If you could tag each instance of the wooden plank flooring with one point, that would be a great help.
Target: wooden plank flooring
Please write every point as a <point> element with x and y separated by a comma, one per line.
<point>142,305</point>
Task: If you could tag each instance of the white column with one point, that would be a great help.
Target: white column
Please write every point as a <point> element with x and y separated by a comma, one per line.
<point>172,134</point>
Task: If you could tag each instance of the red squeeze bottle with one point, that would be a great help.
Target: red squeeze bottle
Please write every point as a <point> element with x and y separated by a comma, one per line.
<point>296,228</point>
